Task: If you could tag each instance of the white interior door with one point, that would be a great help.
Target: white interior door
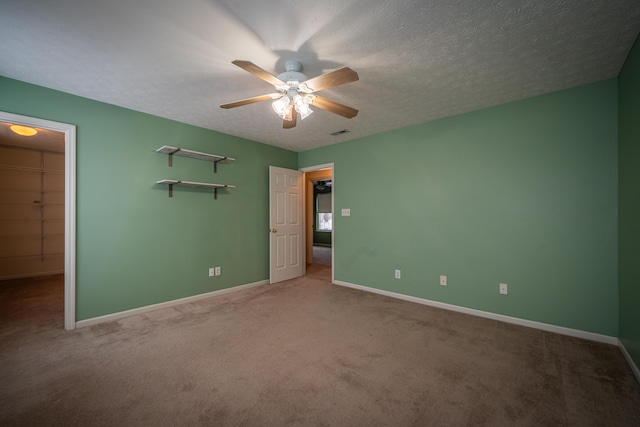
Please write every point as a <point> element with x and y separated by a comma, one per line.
<point>286,231</point>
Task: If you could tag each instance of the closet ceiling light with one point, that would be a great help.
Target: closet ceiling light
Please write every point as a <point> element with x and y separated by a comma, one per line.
<point>23,130</point>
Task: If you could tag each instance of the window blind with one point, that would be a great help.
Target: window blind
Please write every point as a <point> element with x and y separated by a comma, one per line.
<point>324,202</point>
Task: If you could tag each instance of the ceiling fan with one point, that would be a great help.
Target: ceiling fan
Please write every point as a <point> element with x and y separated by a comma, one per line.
<point>295,92</point>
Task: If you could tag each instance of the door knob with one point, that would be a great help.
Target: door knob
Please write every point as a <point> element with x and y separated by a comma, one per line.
<point>273,230</point>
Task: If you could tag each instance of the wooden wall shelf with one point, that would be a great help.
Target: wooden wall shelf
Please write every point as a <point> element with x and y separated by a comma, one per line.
<point>171,182</point>
<point>171,151</point>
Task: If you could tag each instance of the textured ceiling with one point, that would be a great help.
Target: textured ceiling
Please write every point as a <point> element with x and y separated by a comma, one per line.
<point>418,60</point>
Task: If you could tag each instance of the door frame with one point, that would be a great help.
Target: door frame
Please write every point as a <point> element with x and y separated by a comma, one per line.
<point>333,229</point>
<point>69,205</point>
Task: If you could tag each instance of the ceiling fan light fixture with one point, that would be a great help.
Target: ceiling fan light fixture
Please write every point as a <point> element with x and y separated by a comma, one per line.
<point>302,105</point>
<point>304,111</point>
<point>288,113</point>
<point>280,105</point>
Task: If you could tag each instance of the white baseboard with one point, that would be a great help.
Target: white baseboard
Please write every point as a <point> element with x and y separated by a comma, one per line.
<point>508,319</point>
<point>121,314</point>
<point>630,361</point>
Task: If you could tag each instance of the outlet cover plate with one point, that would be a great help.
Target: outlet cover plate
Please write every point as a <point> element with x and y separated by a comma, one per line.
<point>503,289</point>
<point>217,271</point>
<point>397,274</point>
<point>212,272</point>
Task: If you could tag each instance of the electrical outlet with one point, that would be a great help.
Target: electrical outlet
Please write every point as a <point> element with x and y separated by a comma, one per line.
<point>397,274</point>
<point>443,280</point>
<point>346,212</point>
<point>503,288</point>
<point>212,272</point>
<point>217,270</point>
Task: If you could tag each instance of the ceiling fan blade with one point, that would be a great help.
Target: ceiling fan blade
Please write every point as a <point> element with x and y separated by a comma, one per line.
<point>331,79</point>
<point>258,72</point>
<point>334,107</point>
<point>288,124</point>
<point>253,100</point>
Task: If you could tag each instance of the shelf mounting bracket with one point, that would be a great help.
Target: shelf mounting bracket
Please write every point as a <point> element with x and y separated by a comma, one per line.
<point>170,156</point>
<point>215,164</point>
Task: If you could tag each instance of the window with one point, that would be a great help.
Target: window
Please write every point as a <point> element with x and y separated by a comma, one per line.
<point>324,221</point>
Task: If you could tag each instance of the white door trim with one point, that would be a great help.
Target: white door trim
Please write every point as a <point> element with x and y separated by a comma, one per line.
<point>333,230</point>
<point>69,206</point>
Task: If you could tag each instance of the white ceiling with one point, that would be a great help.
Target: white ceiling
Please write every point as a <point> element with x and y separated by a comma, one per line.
<point>418,60</point>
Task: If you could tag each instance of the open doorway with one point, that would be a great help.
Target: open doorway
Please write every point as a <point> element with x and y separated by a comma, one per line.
<point>322,221</point>
<point>319,233</point>
<point>38,205</point>
<point>31,227</point>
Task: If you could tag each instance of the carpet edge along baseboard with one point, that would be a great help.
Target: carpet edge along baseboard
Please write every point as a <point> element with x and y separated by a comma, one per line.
<point>592,336</point>
<point>122,314</point>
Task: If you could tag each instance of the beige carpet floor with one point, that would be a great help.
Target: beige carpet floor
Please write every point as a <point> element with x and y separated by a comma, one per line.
<point>303,352</point>
<point>322,255</point>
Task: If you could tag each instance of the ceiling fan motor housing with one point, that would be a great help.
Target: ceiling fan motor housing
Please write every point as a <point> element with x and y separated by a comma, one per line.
<point>292,65</point>
<point>292,73</point>
<point>292,76</point>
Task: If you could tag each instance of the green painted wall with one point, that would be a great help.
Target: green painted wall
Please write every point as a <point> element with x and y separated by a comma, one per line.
<point>322,238</point>
<point>523,193</point>
<point>135,245</point>
<point>629,183</point>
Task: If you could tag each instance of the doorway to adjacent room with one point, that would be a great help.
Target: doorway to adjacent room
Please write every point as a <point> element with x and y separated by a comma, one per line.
<point>319,229</point>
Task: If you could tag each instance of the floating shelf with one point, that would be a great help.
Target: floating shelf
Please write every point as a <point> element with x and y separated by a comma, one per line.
<point>172,182</point>
<point>171,151</point>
